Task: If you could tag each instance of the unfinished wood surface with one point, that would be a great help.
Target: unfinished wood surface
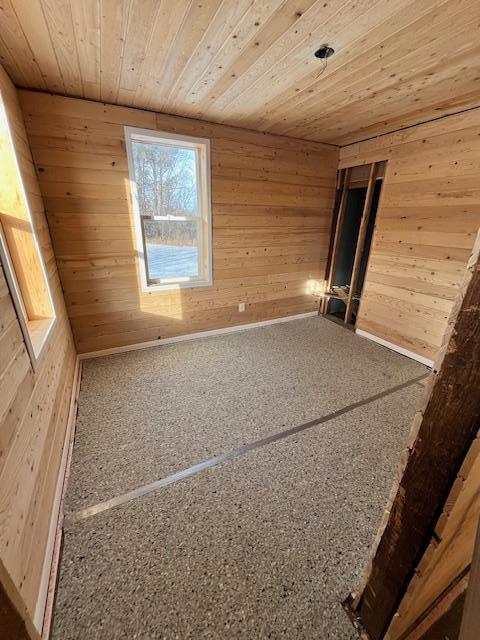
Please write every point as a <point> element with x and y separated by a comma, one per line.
<point>445,607</point>
<point>336,234</point>
<point>426,223</point>
<point>272,203</point>
<point>362,232</point>
<point>448,626</point>
<point>449,553</point>
<point>471,614</point>
<point>333,225</point>
<point>443,431</point>
<point>33,409</point>
<point>252,64</point>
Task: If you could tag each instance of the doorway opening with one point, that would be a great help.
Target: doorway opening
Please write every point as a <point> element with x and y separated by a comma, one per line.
<point>356,204</point>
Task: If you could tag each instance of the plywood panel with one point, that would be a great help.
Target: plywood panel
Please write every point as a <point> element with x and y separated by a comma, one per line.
<point>252,64</point>
<point>33,409</point>
<point>426,224</point>
<point>272,200</point>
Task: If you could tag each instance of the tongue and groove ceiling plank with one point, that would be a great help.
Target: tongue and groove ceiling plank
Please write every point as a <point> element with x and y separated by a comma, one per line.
<point>250,63</point>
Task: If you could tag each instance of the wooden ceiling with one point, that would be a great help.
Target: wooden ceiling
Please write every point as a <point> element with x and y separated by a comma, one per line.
<point>250,63</point>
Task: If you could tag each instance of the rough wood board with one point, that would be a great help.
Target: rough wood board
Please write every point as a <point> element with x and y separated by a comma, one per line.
<point>471,616</point>
<point>448,626</point>
<point>439,608</point>
<point>449,553</point>
<point>367,207</point>
<point>444,432</point>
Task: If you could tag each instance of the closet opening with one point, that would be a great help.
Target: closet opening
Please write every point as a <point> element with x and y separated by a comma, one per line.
<point>358,194</point>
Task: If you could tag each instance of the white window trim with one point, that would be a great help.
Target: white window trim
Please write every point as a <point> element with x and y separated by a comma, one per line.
<point>204,193</point>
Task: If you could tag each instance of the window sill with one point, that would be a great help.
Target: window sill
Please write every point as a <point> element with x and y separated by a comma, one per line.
<point>172,286</point>
<point>38,333</point>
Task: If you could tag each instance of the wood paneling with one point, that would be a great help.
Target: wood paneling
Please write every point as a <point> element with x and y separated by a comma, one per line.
<point>439,474</point>
<point>33,408</point>
<point>251,64</point>
<point>271,208</point>
<point>428,216</point>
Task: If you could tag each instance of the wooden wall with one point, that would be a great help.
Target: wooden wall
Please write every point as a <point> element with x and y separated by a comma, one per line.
<point>442,572</point>
<point>272,201</point>
<point>33,409</point>
<point>426,225</point>
<point>449,555</point>
<point>426,538</point>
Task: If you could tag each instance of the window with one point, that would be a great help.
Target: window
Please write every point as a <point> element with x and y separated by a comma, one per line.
<point>170,189</point>
<point>19,250</point>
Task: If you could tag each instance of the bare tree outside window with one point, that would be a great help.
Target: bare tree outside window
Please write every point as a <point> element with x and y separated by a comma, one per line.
<point>169,202</point>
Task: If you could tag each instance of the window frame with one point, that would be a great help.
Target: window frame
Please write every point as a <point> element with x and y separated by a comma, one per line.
<point>35,332</point>
<point>204,217</point>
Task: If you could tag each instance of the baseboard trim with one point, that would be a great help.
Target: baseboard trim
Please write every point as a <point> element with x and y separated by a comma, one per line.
<point>405,352</point>
<point>193,336</point>
<point>44,608</point>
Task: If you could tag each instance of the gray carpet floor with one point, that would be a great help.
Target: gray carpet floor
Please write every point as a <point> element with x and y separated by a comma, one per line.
<point>263,546</point>
<point>146,414</point>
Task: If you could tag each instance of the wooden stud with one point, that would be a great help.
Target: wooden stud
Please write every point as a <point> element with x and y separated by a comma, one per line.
<point>338,196</point>
<point>336,242</point>
<point>441,608</point>
<point>447,626</point>
<point>367,207</point>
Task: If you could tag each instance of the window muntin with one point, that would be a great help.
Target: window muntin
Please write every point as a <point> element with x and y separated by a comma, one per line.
<point>170,188</point>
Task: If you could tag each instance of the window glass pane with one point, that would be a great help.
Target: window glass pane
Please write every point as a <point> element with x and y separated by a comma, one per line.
<point>166,178</point>
<point>171,248</point>
<point>171,202</point>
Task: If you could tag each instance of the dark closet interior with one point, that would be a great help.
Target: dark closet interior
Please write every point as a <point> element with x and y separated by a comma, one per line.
<point>357,201</point>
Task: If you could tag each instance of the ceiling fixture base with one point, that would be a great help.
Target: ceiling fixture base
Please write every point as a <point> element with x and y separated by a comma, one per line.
<point>325,51</point>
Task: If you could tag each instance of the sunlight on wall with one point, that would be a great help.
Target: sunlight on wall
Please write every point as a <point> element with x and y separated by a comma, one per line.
<point>166,303</point>
<point>315,287</point>
<point>20,250</point>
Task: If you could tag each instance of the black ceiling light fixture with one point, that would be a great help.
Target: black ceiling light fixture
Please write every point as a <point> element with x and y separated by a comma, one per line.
<point>324,52</point>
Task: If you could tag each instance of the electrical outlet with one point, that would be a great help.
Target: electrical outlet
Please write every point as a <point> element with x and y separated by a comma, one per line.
<point>241,307</point>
